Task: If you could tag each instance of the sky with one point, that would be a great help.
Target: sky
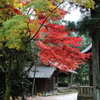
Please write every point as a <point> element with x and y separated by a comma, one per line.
<point>73,15</point>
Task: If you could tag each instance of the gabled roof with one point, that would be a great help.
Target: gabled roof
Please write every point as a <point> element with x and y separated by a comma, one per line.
<point>42,72</point>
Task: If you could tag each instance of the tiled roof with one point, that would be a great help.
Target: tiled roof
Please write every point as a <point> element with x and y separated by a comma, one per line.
<point>42,72</point>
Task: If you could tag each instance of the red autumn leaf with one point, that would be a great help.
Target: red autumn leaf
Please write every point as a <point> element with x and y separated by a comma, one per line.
<point>58,49</point>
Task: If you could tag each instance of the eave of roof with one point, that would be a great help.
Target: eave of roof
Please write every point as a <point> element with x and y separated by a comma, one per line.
<point>42,72</point>
<point>72,71</point>
<point>87,49</point>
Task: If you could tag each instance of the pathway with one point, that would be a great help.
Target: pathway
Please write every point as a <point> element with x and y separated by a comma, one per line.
<point>70,96</point>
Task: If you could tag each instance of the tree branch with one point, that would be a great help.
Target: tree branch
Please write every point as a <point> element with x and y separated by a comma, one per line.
<point>44,21</point>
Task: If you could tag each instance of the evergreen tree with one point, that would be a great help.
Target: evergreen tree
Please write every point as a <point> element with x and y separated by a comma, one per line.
<point>90,25</point>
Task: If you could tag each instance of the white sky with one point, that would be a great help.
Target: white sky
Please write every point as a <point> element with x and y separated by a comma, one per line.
<point>73,15</point>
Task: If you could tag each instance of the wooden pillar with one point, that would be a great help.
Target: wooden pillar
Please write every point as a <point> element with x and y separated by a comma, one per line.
<point>44,92</point>
<point>70,80</point>
<point>57,81</point>
<point>96,72</point>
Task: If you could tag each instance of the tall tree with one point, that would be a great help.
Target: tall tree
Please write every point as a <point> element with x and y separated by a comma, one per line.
<point>90,25</point>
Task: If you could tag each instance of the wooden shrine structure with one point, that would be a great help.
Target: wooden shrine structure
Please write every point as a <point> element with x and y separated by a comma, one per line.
<point>86,92</point>
<point>46,79</point>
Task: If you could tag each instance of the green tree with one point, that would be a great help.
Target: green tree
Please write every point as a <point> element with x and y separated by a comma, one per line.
<point>19,85</point>
<point>90,25</point>
<point>82,78</point>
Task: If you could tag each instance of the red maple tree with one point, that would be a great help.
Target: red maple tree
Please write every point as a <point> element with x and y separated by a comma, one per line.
<point>58,49</point>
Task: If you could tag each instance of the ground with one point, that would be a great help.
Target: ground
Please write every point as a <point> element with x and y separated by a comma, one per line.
<point>69,96</point>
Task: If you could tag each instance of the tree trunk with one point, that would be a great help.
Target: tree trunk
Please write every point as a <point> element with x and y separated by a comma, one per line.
<point>8,87</point>
<point>96,79</point>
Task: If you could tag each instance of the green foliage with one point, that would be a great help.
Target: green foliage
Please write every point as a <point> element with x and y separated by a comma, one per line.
<point>62,79</point>
<point>14,32</point>
<point>70,25</point>
<point>9,1</point>
<point>86,42</point>
<point>85,27</point>
<point>39,5</point>
<point>19,85</point>
<point>85,3</point>
<point>90,25</point>
<point>82,77</point>
<point>2,85</point>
